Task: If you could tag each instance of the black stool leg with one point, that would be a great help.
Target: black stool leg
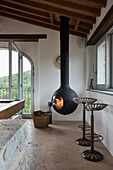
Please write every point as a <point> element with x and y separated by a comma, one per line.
<point>83,141</point>
<point>92,155</point>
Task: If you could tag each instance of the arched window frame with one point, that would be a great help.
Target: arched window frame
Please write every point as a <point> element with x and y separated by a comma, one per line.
<point>20,66</point>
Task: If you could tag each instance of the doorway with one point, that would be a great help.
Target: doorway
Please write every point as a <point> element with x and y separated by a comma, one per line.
<point>17,77</point>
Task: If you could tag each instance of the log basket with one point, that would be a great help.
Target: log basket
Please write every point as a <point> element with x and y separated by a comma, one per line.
<point>41,119</point>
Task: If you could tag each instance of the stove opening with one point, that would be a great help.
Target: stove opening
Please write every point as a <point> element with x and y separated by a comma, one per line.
<point>58,102</point>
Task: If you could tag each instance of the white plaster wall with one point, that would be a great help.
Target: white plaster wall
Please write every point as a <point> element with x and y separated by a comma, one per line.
<point>44,54</point>
<point>99,19</point>
<point>90,65</point>
<point>104,118</point>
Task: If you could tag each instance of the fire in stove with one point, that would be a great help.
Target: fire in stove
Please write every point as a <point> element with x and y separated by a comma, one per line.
<point>58,101</point>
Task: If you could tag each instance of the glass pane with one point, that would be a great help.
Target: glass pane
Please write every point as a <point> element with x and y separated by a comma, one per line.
<point>4,74</point>
<point>14,75</point>
<point>27,85</point>
<point>101,64</point>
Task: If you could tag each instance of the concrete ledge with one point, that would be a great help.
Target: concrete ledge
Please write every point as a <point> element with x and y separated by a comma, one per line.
<point>107,92</point>
<point>13,134</point>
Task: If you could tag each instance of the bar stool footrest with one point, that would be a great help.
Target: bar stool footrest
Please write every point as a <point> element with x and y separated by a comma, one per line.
<point>97,137</point>
<point>86,126</point>
<point>93,156</point>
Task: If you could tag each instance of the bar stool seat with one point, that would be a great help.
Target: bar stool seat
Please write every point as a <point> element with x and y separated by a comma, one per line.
<point>93,155</point>
<point>83,100</point>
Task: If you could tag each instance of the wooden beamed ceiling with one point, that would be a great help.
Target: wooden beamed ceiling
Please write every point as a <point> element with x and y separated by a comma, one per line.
<point>22,37</point>
<point>45,13</point>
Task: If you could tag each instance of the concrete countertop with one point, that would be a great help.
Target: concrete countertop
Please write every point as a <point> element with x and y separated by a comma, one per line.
<point>13,134</point>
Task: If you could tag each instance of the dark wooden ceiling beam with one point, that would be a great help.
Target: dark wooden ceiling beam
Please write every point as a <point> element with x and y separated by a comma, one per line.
<point>71,27</point>
<point>83,30</point>
<point>24,15</point>
<point>92,3</point>
<point>103,27</point>
<point>37,5</point>
<point>76,24</point>
<point>22,37</point>
<point>20,40</point>
<point>85,25</point>
<point>52,18</point>
<point>73,6</point>
<point>28,10</point>
<point>20,8</point>
<point>80,34</point>
<point>45,25</point>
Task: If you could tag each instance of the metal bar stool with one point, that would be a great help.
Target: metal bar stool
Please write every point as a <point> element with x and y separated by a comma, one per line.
<point>93,155</point>
<point>83,100</point>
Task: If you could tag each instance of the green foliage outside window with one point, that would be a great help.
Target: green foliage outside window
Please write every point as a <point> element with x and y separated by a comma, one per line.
<point>4,89</point>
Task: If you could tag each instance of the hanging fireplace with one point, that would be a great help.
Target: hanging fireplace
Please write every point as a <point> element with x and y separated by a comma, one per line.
<point>62,98</point>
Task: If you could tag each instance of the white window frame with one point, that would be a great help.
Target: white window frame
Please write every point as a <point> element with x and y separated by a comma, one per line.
<point>13,47</point>
<point>110,37</point>
<point>108,86</point>
<point>100,86</point>
<point>32,84</point>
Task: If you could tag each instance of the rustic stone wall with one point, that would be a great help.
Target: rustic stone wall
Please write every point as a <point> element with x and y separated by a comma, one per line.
<point>13,134</point>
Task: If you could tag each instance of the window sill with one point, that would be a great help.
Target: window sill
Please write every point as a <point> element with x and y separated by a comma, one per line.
<point>101,91</point>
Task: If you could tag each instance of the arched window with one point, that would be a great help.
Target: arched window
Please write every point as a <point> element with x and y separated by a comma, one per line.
<point>16,77</point>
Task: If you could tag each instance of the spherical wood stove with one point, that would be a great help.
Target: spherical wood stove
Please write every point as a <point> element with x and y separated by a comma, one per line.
<point>62,98</point>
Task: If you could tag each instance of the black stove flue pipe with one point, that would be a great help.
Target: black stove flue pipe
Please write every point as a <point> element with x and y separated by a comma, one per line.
<point>64,51</point>
<point>65,91</point>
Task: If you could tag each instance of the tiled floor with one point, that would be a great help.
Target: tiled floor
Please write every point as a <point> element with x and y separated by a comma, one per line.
<point>54,148</point>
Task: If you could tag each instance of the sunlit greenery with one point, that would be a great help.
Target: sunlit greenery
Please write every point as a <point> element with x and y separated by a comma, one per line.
<point>4,89</point>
